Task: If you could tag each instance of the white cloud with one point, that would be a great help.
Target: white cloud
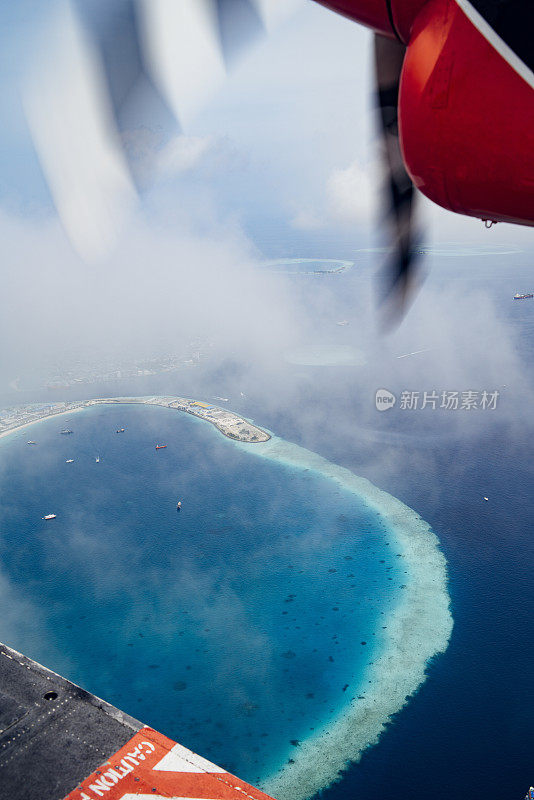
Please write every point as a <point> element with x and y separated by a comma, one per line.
<point>350,197</point>
<point>351,194</point>
<point>163,286</point>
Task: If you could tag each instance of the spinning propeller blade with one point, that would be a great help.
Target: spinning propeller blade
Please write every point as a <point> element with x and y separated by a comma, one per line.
<point>399,205</point>
<point>115,81</point>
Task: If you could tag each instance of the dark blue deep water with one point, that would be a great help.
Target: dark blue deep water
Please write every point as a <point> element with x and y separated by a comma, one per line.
<point>468,732</point>
<point>237,625</point>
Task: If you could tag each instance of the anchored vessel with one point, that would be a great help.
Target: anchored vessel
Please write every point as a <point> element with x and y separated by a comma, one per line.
<point>160,446</point>
<point>518,296</point>
<point>50,516</point>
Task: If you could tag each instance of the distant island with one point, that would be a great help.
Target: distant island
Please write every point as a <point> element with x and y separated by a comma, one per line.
<point>228,423</point>
<point>308,266</point>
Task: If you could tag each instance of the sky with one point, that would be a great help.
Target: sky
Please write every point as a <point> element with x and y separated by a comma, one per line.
<point>290,132</point>
<point>289,118</point>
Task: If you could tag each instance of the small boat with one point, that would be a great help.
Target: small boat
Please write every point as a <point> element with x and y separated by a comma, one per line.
<point>179,505</point>
<point>160,446</point>
<point>69,461</point>
<point>50,516</point>
<point>526,296</point>
<point>486,499</point>
<point>31,442</point>
<point>65,431</point>
<point>121,430</point>
<point>97,459</point>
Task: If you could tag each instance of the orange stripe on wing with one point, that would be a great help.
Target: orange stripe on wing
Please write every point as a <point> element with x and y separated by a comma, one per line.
<point>151,765</point>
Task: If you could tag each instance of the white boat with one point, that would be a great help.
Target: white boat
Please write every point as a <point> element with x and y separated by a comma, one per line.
<point>50,516</point>
<point>69,461</point>
<point>31,442</point>
<point>179,505</point>
<point>97,459</point>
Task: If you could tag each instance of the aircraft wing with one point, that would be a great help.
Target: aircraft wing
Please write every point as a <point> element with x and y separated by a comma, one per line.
<point>59,742</point>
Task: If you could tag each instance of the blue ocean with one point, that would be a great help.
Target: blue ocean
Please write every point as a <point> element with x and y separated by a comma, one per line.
<point>237,626</point>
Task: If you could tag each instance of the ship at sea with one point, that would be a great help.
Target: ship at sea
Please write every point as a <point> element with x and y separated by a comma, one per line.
<point>518,296</point>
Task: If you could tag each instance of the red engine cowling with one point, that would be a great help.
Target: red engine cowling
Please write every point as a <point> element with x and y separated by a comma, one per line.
<point>466,119</point>
<point>466,113</point>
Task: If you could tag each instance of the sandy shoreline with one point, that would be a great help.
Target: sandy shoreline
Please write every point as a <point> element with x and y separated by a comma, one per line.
<point>41,419</point>
<point>225,421</point>
<point>418,628</point>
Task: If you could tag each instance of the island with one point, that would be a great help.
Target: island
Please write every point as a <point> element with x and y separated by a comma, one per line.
<point>229,424</point>
<point>308,266</point>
